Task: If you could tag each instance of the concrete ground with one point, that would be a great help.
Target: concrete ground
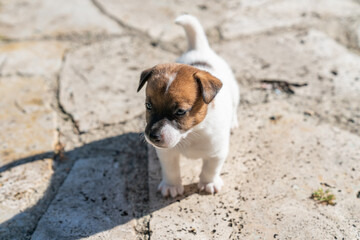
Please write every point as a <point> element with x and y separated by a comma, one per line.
<point>72,164</point>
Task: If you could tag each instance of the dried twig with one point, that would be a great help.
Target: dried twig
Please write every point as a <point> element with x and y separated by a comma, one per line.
<point>282,85</point>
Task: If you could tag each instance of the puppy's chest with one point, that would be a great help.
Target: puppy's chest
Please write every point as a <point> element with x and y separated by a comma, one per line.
<point>197,145</point>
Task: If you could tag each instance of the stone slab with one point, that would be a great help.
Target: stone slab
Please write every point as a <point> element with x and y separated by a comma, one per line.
<point>99,81</point>
<point>21,19</point>
<point>254,17</point>
<point>104,196</point>
<point>330,70</point>
<point>31,58</point>
<point>272,169</point>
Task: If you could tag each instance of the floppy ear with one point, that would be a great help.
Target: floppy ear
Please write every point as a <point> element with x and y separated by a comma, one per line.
<point>209,85</point>
<point>144,77</point>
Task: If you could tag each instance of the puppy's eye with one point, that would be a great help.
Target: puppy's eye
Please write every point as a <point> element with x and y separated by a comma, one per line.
<point>180,112</point>
<point>148,106</point>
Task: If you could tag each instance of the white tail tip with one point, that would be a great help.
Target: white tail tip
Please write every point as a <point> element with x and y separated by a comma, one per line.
<point>194,31</point>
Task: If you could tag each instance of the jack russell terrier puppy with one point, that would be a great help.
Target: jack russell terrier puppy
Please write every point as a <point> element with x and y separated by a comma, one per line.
<point>190,110</point>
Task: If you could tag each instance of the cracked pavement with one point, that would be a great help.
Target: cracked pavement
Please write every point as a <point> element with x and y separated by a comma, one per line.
<point>74,166</point>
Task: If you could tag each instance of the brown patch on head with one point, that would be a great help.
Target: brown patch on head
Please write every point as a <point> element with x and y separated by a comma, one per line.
<point>190,90</point>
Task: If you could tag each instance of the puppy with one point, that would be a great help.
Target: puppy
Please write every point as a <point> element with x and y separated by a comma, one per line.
<point>190,110</point>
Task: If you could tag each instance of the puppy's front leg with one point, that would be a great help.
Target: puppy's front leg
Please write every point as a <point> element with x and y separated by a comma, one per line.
<point>170,169</point>
<point>210,179</point>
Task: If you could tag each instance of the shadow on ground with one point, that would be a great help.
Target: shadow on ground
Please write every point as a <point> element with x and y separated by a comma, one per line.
<point>97,187</point>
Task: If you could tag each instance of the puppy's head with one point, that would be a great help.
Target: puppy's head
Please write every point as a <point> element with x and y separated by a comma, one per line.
<point>177,97</point>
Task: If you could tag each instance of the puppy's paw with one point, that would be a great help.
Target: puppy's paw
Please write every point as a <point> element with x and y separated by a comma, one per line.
<point>172,190</point>
<point>211,187</point>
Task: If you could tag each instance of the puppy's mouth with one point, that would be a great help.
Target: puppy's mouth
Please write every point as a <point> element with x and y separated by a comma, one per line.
<point>165,136</point>
<point>159,143</point>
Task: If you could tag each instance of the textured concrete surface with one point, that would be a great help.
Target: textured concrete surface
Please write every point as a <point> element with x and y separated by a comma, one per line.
<point>27,120</point>
<point>307,56</point>
<point>36,19</point>
<point>73,164</point>
<point>254,17</point>
<point>21,188</point>
<point>107,81</point>
<point>32,57</point>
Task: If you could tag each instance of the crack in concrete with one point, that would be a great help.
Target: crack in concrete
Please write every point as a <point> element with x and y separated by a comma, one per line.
<point>57,93</point>
<point>142,228</point>
<point>81,38</point>
<point>113,18</point>
<point>166,46</point>
<point>59,109</point>
<point>21,109</point>
<point>105,125</point>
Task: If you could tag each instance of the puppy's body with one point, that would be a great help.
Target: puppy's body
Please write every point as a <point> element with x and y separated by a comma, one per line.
<point>204,130</point>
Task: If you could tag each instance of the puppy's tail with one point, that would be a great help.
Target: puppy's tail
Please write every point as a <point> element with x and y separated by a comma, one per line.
<point>194,31</point>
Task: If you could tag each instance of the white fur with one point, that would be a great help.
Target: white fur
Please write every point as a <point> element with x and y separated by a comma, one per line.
<point>171,135</point>
<point>208,140</point>
<point>170,80</point>
<point>195,33</point>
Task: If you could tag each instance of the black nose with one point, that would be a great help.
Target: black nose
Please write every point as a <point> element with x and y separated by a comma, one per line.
<point>155,137</point>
